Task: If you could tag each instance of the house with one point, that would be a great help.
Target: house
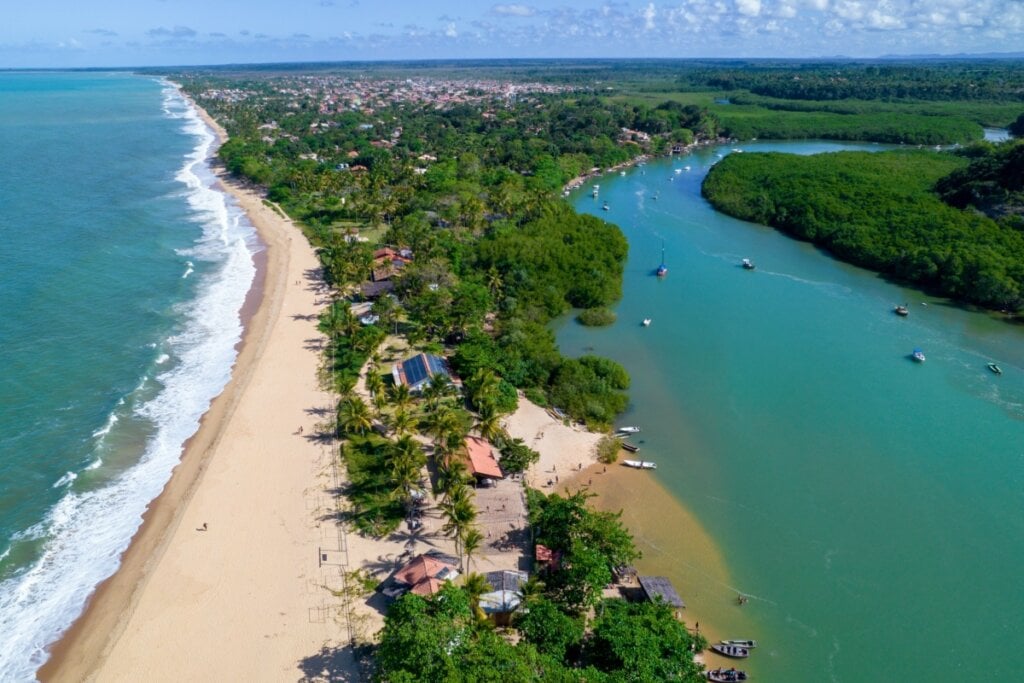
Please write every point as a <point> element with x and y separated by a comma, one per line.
<point>481,462</point>
<point>416,372</point>
<point>387,262</point>
<point>424,574</point>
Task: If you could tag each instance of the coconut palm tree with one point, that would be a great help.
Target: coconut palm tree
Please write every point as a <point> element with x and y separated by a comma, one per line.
<point>489,424</point>
<point>374,382</point>
<point>402,422</point>
<point>476,585</point>
<point>354,416</point>
<point>472,539</point>
<point>380,402</point>
<point>401,398</point>
<point>459,514</point>
<point>451,475</point>
<point>483,387</point>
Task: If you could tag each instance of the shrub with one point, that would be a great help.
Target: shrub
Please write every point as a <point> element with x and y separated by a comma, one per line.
<point>596,317</point>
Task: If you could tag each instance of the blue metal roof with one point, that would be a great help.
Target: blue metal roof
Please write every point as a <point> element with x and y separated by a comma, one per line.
<point>436,364</point>
<point>415,370</point>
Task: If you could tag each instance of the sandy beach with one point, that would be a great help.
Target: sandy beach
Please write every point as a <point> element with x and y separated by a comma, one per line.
<point>228,577</point>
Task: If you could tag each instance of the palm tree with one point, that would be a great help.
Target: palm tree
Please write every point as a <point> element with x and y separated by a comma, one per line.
<point>451,475</point>
<point>489,424</point>
<point>400,396</point>
<point>380,402</point>
<point>459,514</point>
<point>402,422</point>
<point>494,282</point>
<point>471,542</point>
<point>476,585</point>
<point>374,382</point>
<point>483,386</point>
<point>354,416</point>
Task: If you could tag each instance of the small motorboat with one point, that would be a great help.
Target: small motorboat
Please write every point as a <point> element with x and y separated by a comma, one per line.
<point>917,356</point>
<point>726,675</point>
<point>605,207</point>
<point>679,171</point>
<point>646,322</point>
<point>628,430</point>
<point>686,168</point>
<point>731,651</point>
<point>640,465</point>
<point>662,270</point>
<point>741,643</point>
<point>622,173</point>
<point>901,310</point>
<point>747,264</point>
<point>630,447</point>
<point>995,368</point>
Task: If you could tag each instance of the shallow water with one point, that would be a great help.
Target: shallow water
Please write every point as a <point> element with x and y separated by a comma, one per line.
<point>869,506</point>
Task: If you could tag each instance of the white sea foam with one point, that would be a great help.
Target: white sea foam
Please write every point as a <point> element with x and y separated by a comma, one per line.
<point>162,358</point>
<point>105,429</point>
<point>87,531</point>
<point>94,465</point>
<point>65,480</point>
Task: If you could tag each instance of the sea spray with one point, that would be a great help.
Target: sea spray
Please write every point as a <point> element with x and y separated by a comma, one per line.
<point>84,534</point>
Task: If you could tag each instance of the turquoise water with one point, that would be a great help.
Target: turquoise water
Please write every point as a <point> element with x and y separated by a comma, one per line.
<point>123,274</point>
<point>871,507</point>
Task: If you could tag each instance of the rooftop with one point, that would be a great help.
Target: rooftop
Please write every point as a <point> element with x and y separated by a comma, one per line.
<point>660,587</point>
<point>482,462</point>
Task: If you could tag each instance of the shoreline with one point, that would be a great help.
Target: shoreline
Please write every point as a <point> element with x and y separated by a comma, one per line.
<point>697,567</point>
<point>152,597</point>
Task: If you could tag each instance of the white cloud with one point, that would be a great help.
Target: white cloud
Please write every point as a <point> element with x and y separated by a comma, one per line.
<point>884,22</point>
<point>649,14</point>
<point>750,8</point>
<point>450,30</point>
<point>514,10</point>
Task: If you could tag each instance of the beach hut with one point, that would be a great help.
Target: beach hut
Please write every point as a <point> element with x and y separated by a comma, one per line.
<point>481,463</point>
<point>506,597</point>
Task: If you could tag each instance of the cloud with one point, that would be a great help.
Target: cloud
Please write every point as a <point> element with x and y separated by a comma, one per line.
<point>102,32</point>
<point>450,31</point>
<point>513,10</point>
<point>750,8</point>
<point>649,14</point>
<point>176,32</point>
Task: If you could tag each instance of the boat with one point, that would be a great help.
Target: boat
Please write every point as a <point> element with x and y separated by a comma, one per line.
<point>679,171</point>
<point>628,430</point>
<point>901,310</point>
<point>630,447</point>
<point>605,207</point>
<point>662,270</point>
<point>726,675</point>
<point>731,651</point>
<point>740,643</point>
<point>646,322</point>
<point>686,168</point>
<point>917,356</point>
<point>640,464</point>
<point>622,173</point>
<point>748,264</point>
<point>995,368</point>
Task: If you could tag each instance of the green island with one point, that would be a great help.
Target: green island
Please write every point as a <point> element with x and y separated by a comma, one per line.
<point>433,194</point>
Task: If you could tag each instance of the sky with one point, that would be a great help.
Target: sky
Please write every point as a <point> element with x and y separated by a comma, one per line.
<point>87,33</point>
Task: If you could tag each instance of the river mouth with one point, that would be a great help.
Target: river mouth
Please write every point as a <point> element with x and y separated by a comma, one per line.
<point>845,486</point>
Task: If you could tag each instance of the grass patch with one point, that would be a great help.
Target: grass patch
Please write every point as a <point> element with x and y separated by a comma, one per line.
<point>596,317</point>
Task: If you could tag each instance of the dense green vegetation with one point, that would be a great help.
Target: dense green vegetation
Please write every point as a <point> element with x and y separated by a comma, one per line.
<point>992,183</point>
<point>880,211</point>
<point>446,637</point>
<point>599,316</point>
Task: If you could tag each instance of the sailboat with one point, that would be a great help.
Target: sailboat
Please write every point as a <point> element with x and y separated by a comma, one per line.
<point>662,270</point>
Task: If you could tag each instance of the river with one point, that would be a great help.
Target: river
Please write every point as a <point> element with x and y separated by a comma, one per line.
<point>869,506</point>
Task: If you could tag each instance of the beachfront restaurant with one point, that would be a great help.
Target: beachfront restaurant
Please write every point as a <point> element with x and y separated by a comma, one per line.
<point>480,461</point>
<point>423,575</point>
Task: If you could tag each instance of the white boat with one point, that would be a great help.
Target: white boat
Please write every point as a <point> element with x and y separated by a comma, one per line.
<point>640,464</point>
<point>686,168</point>
<point>622,173</point>
<point>918,356</point>
<point>679,171</point>
<point>628,430</point>
<point>748,264</point>
<point>741,643</point>
<point>646,322</point>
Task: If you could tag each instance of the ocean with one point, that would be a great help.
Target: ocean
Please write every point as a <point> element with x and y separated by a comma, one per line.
<point>871,508</point>
<point>124,271</point>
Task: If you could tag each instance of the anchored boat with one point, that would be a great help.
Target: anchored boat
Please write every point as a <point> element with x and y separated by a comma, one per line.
<point>640,464</point>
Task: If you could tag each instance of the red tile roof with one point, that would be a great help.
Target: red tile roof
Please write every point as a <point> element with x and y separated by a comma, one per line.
<point>481,458</point>
<point>426,574</point>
